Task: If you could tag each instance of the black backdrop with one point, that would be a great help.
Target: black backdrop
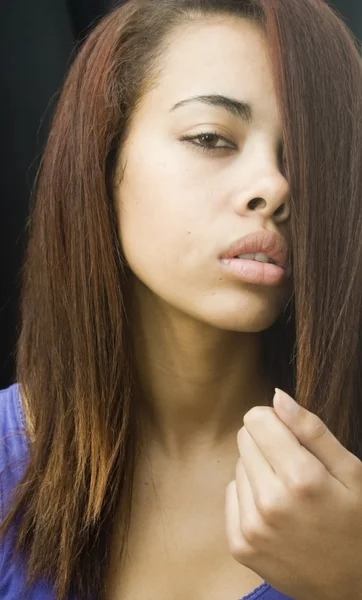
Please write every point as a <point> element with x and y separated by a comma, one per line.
<point>36,42</point>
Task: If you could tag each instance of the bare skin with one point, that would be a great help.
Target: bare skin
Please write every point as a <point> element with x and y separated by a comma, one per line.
<point>196,333</point>
<point>177,546</point>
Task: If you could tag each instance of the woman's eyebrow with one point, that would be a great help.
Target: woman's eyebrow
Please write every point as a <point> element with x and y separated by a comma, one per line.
<point>235,107</point>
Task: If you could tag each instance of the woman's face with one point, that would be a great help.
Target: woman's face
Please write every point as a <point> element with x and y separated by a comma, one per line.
<point>199,175</point>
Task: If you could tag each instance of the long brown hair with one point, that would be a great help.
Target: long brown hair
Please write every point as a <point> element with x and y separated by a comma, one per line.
<point>74,353</point>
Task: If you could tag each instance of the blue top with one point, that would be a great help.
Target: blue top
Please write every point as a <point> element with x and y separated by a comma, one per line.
<point>14,452</point>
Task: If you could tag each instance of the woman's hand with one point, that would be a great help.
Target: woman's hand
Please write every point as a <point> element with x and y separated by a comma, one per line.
<point>294,511</point>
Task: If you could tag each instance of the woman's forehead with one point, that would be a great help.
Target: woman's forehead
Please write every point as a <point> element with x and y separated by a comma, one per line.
<point>226,57</point>
<point>213,47</point>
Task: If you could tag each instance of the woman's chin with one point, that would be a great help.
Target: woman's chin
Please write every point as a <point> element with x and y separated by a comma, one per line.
<point>244,324</point>
<point>248,316</point>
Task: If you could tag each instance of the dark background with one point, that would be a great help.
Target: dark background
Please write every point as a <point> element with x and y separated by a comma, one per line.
<point>36,48</point>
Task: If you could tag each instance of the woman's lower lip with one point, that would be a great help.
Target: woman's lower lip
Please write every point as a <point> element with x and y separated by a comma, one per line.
<point>252,271</point>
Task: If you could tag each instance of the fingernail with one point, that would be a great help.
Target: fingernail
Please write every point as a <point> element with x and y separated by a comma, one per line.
<point>288,404</point>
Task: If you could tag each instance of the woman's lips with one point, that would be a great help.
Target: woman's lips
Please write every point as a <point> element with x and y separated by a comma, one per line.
<point>252,271</point>
<point>269,243</point>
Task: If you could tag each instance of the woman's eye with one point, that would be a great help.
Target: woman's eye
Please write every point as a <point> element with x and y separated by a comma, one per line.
<point>210,141</point>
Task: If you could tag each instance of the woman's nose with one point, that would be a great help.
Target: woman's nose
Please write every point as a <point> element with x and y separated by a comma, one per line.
<point>269,197</point>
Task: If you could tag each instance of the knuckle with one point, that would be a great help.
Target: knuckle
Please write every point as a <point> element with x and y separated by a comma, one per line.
<point>315,429</point>
<point>271,507</point>
<point>256,414</point>
<point>307,480</point>
<point>240,548</point>
<point>253,530</point>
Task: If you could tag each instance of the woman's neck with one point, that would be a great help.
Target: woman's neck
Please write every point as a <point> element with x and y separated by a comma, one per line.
<point>195,382</point>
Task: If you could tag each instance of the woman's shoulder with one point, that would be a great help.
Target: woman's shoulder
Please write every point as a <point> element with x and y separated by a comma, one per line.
<point>13,439</point>
<point>14,443</point>
<point>14,455</point>
<point>11,411</point>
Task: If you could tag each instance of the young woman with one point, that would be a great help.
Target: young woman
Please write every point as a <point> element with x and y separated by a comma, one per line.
<point>195,243</point>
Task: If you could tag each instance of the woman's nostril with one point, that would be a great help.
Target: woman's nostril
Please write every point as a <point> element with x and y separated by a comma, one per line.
<point>280,211</point>
<point>255,203</point>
